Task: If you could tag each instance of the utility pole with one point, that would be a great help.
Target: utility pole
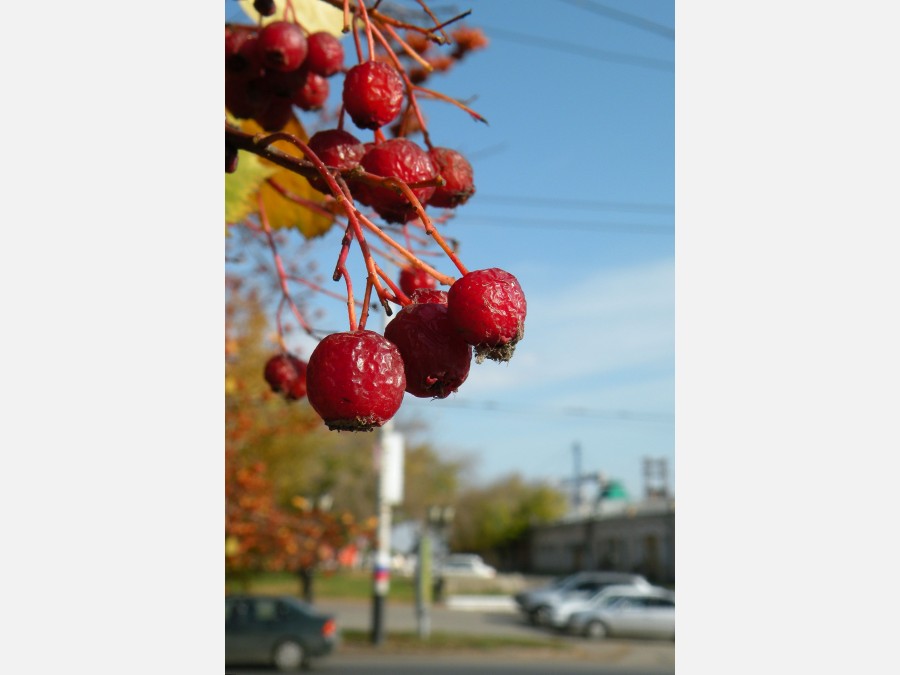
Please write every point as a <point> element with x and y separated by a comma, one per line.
<point>389,459</point>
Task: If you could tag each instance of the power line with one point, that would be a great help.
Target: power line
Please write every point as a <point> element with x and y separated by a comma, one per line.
<point>564,224</point>
<point>623,17</point>
<point>567,411</point>
<point>598,54</point>
<point>566,202</point>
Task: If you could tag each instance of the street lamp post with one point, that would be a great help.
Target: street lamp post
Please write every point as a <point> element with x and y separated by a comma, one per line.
<point>438,518</point>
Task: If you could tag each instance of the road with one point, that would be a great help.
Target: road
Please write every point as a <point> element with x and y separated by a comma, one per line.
<point>578,655</point>
<point>343,664</point>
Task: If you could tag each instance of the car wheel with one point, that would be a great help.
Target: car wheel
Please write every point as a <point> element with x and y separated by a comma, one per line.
<point>542,616</point>
<point>288,655</point>
<point>595,630</point>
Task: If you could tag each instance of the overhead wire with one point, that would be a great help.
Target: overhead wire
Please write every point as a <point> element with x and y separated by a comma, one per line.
<point>579,50</point>
<point>623,17</point>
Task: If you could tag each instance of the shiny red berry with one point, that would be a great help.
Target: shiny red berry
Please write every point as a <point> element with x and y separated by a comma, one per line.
<point>396,158</point>
<point>281,45</point>
<point>435,359</point>
<point>457,172</point>
<point>286,375</point>
<point>355,380</point>
<point>412,278</point>
<point>487,308</point>
<point>325,55</point>
<point>373,94</point>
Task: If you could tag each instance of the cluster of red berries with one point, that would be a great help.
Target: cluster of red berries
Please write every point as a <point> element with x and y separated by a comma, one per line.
<point>355,380</point>
<point>398,158</point>
<point>270,70</point>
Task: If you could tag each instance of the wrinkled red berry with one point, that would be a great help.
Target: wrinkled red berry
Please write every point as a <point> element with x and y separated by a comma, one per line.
<point>396,158</point>
<point>325,55</point>
<point>373,94</point>
<point>487,307</point>
<point>337,149</point>
<point>412,278</point>
<point>286,375</point>
<point>424,295</point>
<point>281,45</point>
<point>355,380</point>
<point>457,172</point>
<point>436,359</point>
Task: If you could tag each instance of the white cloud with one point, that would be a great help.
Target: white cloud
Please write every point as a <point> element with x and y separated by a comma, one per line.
<point>608,321</point>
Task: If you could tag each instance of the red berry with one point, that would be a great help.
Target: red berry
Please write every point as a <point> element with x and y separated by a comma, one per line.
<point>355,380</point>
<point>425,295</point>
<point>276,115</point>
<point>281,45</point>
<point>246,98</point>
<point>325,55</point>
<point>435,359</point>
<point>397,158</point>
<point>412,278</point>
<point>312,92</point>
<point>240,50</point>
<point>373,94</point>
<point>457,172</point>
<point>286,375</point>
<point>487,307</point>
<point>337,149</point>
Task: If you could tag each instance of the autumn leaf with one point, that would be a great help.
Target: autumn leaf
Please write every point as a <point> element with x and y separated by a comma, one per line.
<point>242,185</point>
<point>283,211</point>
<point>313,15</point>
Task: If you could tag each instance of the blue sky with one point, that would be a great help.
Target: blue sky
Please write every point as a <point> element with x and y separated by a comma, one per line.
<point>575,197</point>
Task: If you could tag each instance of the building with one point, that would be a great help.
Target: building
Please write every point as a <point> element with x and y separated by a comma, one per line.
<point>622,536</point>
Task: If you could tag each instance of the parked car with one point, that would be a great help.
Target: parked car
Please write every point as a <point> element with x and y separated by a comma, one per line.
<point>276,630</point>
<point>537,603</point>
<point>465,565</point>
<point>562,609</point>
<point>628,615</point>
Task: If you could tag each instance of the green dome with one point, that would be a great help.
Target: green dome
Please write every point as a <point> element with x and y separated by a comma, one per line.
<point>614,490</point>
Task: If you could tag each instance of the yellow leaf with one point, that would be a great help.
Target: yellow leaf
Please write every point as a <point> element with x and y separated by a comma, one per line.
<point>282,211</point>
<point>242,185</point>
<point>313,15</point>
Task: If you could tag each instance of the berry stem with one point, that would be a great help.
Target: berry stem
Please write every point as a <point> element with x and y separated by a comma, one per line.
<point>279,266</point>
<point>401,297</point>
<point>316,287</point>
<point>412,53</point>
<point>413,260</point>
<point>340,270</point>
<point>297,199</point>
<point>448,99</point>
<point>430,229</point>
<point>368,27</point>
<point>410,88</point>
<point>346,8</point>
<point>365,309</point>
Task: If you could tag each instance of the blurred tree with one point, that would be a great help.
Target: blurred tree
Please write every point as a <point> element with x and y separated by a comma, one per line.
<point>491,518</point>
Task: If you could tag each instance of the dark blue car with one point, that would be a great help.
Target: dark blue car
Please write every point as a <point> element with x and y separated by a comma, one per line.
<point>277,630</point>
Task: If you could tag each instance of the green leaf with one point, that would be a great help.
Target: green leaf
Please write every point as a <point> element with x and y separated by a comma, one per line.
<point>242,186</point>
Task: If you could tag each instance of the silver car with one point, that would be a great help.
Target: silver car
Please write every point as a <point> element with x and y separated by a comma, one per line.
<point>537,604</point>
<point>628,614</point>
